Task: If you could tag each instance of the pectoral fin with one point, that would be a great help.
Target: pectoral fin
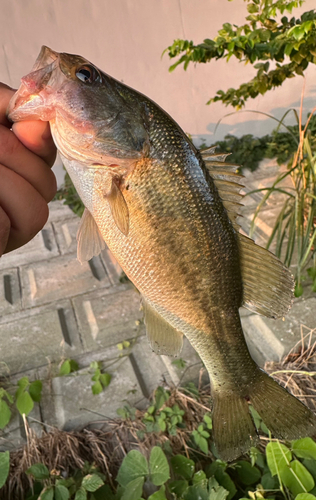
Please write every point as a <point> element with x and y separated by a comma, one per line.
<point>118,206</point>
<point>90,241</point>
<point>163,338</point>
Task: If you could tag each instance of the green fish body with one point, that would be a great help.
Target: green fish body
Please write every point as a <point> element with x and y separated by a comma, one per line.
<point>168,214</point>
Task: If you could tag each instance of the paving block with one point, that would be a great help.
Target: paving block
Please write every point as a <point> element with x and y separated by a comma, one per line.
<point>10,295</point>
<point>68,402</point>
<point>36,337</point>
<point>106,317</point>
<point>271,340</point>
<point>66,231</point>
<point>43,246</point>
<point>59,211</point>
<point>59,278</point>
<point>190,372</point>
<point>113,269</point>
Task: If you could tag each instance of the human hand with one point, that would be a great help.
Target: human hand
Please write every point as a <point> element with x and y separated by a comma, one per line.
<point>27,183</point>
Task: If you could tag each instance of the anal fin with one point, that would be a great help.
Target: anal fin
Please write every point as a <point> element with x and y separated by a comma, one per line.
<point>163,338</point>
<point>90,241</point>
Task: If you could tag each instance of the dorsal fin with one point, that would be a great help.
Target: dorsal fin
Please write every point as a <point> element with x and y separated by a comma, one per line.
<point>267,284</point>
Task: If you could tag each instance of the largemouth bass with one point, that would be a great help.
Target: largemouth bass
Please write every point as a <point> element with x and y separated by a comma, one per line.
<point>168,214</point>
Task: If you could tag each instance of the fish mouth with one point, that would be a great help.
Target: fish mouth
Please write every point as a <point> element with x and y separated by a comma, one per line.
<point>32,93</point>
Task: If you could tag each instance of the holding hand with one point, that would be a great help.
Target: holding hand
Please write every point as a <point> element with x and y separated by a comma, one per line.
<point>27,183</point>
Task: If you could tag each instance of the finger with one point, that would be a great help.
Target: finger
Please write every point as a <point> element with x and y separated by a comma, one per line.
<point>36,136</point>
<point>5,95</point>
<point>4,230</point>
<point>26,164</point>
<point>24,206</point>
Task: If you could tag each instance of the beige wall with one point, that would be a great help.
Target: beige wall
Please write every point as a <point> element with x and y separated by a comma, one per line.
<point>125,38</point>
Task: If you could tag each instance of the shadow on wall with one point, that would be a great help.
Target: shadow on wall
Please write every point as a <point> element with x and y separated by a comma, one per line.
<point>258,127</point>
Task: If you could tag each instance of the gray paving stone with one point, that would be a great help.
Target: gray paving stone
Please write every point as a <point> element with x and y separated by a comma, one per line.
<point>66,231</point>
<point>10,294</point>
<point>68,402</point>
<point>270,340</point>
<point>106,317</point>
<point>58,278</point>
<point>59,211</point>
<point>36,337</point>
<point>43,246</point>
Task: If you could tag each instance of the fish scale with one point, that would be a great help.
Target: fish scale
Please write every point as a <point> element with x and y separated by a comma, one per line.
<point>169,215</point>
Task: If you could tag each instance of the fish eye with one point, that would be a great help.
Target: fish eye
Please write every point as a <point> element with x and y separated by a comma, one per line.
<point>88,74</point>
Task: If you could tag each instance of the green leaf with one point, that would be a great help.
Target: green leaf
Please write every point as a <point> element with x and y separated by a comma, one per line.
<point>5,414</point>
<point>92,482</point>
<point>97,388</point>
<point>208,420</point>
<point>158,495</point>
<point>247,473</point>
<point>218,493</point>
<point>61,493</point>
<point>278,457</point>
<point>133,466</point>
<point>65,368</point>
<point>297,478</point>
<point>298,290</point>
<point>74,367</point>
<point>268,482</point>
<point>178,487</point>
<point>304,448</point>
<point>161,396</point>
<point>105,493</point>
<point>179,363</point>
<point>23,383</point>
<point>225,480</point>
<point>38,471</point>
<point>24,403</point>
<point>47,493</point>
<point>134,489</point>
<point>35,390</point>
<point>182,466</point>
<point>81,494</point>
<point>159,467</point>
<point>305,496</point>
<point>4,467</point>
<point>196,492</point>
<point>199,477</point>
<point>105,379</point>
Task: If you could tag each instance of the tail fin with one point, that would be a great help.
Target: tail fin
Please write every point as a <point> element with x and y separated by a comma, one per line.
<point>285,416</point>
<point>234,431</point>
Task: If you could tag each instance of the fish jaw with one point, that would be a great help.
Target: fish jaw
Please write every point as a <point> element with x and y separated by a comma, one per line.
<point>33,100</point>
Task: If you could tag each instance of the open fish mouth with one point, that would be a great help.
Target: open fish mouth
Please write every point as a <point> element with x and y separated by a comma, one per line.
<point>35,87</point>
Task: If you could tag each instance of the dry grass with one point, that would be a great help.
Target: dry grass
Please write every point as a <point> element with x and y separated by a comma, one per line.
<point>106,447</point>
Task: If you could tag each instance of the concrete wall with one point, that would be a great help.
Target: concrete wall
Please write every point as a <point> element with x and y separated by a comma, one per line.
<point>126,38</point>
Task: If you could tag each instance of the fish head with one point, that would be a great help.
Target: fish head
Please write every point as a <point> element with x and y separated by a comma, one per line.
<point>93,120</point>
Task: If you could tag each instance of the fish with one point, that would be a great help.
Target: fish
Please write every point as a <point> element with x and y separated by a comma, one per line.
<point>169,214</point>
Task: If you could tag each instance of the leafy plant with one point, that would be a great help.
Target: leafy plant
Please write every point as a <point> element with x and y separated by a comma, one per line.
<point>294,231</point>
<point>24,398</point>
<point>263,38</point>
<point>50,485</point>
<point>160,417</point>
<point>101,380</point>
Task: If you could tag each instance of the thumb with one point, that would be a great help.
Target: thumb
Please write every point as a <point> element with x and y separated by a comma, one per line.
<point>36,136</point>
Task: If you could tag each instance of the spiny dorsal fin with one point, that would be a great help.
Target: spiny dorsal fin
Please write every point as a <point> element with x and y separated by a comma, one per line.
<point>90,241</point>
<point>118,207</point>
<point>163,338</point>
<point>268,285</point>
